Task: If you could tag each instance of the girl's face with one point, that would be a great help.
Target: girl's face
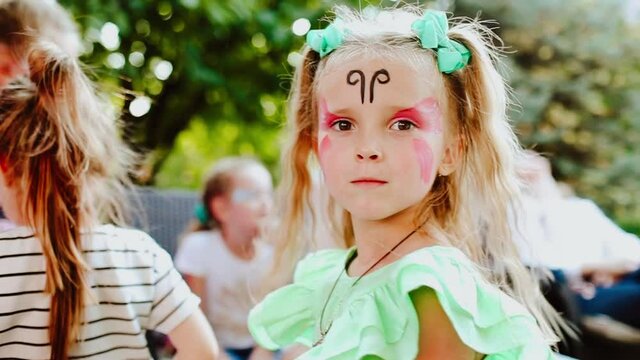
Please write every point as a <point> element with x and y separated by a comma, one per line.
<point>248,203</point>
<point>380,135</point>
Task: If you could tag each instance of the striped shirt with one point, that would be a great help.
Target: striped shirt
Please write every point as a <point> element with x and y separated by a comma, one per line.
<point>134,287</point>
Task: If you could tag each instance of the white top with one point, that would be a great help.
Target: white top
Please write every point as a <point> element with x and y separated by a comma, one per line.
<point>133,282</point>
<point>567,233</point>
<point>231,283</point>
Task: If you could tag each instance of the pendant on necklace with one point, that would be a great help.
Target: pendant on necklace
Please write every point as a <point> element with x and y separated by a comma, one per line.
<point>319,341</point>
<point>322,336</point>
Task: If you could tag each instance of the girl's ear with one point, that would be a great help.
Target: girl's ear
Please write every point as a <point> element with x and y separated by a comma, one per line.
<point>451,157</point>
<point>219,207</point>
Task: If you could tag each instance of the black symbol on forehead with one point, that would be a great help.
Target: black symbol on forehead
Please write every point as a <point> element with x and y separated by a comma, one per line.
<point>382,76</point>
<point>352,81</point>
<point>355,77</point>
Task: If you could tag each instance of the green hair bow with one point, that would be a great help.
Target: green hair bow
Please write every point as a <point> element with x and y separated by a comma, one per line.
<point>432,30</point>
<point>326,40</point>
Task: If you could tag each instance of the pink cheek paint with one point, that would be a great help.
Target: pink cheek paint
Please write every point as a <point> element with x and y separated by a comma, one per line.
<point>425,158</point>
<point>426,115</point>
<point>325,144</point>
<point>431,112</point>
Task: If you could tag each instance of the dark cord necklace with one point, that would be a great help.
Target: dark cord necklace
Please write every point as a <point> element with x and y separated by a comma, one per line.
<point>324,332</point>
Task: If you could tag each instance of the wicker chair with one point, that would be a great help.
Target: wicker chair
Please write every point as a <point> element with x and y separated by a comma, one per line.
<point>164,214</point>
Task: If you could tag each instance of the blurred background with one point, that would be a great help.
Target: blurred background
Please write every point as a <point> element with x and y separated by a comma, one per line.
<point>207,78</point>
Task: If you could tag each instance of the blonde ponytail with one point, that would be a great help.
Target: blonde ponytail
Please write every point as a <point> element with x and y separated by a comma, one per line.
<point>64,156</point>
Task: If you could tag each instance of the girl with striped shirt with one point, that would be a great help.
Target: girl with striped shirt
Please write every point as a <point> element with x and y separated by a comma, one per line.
<point>71,288</point>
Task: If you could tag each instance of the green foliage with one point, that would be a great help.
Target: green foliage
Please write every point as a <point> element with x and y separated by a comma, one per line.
<point>631,226</point>
<point>573,67</point>
<point>229,66</point>
<point>576,75</point>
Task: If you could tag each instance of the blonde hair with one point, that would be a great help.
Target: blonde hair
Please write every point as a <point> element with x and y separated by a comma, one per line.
<point>470,208</point>
<point>62,152</point>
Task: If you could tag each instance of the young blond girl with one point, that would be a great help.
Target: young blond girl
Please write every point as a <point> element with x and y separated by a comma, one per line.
<point>71,287</point>
<point>406,119</point>
<point>221,258</point>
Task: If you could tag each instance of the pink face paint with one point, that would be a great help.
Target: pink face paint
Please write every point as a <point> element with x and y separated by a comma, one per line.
<point>425,158</point>
<point>326,117</point>
<point>325,144</point>
<point>426,115</point>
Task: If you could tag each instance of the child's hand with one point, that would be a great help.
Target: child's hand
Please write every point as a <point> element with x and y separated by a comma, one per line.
<point>607,274</point>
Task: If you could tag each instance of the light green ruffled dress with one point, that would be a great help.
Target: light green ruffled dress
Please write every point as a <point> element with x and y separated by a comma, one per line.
<point>376,318</point>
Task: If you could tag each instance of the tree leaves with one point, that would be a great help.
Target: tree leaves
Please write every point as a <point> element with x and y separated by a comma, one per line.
<point>574,70</point>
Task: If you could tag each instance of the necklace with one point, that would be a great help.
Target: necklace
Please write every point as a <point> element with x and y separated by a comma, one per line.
<point>323,332</point>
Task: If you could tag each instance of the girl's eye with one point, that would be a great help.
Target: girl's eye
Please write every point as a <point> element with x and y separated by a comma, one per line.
<point>402,125</point>
<point>342,125</point>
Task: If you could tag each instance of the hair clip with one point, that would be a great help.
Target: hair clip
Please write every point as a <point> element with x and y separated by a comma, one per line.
<point>432,31</point>
<point>201,214</point>
<point>326,40</point>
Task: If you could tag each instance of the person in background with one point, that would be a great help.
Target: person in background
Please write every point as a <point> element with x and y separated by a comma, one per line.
<point>573,237</point>
<point>220,258</point>
<point>74,285</point>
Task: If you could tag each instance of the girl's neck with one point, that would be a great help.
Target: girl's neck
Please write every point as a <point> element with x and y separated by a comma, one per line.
<point>374,238</point>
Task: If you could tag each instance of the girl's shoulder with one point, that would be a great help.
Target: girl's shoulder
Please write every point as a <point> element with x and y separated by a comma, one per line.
<point>204,240</point>
<point>116,237</point>
<point>320,264</point>
<point>444,263</point>
<point>485,318</point>
<point>464,293</point>
<point>202,236</point>
<point>122,244</point>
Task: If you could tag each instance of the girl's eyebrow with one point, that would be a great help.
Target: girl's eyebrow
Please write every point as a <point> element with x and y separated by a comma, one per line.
<point>328,117</point>
<point>413,113</point>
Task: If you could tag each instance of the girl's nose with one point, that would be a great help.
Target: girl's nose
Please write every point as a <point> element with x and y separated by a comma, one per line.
<point>368,154</point>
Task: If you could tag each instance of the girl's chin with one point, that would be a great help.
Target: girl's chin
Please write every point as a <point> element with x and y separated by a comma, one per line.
<point>371,214</point>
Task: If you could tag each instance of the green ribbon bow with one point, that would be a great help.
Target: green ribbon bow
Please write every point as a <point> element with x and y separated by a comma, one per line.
<point>432,30</point>
<point>201,214</point>
<point>327,40</point>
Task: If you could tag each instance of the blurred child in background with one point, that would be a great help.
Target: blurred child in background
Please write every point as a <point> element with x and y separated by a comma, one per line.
<point>220,258</point>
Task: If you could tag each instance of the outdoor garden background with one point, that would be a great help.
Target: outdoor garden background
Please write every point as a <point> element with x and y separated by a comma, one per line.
<point>201,79</point>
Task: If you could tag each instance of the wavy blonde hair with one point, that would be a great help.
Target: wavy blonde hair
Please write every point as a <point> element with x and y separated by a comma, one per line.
<point>61,150</point>
<point>470,209</point>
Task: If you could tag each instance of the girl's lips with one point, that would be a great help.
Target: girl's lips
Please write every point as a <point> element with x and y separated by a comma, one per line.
<point>368,182</point>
